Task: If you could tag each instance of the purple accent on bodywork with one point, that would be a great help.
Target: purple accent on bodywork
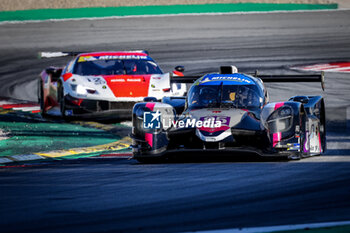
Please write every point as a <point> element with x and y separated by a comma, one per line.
<point>306,150</point>
<point>225,120</point>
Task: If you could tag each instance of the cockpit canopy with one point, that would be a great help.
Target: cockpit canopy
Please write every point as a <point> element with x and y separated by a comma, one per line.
<point>115,65</point>
<point>225,96</point>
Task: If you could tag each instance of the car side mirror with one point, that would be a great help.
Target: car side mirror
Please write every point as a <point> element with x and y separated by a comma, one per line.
<point>180,68</point>
<point>301,99</point>
<point>54,73</point>
<point>50,70</point>
<point>150,99</point>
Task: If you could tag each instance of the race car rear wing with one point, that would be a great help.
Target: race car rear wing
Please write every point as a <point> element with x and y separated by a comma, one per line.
<point>263,77</point>
<point>184,79</point>
<point>70,54</point>
<point>294,78</point>
<point>57,54</point>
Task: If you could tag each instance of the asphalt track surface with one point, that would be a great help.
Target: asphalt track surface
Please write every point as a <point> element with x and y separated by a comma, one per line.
<point>114,195</point>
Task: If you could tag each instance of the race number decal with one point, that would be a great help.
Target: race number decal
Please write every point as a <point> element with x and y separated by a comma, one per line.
<point>225,120</point>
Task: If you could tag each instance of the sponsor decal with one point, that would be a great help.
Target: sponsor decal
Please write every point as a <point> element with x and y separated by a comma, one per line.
<point>119,80</point>
<point>153,120</point>
<point>293,147</point>
<point>87,58</point>
<point>225,120</point>
<point>225,78</point>
<point>224,123</point>
<point>111,57</point>
<point>68,112</point>
<point>99,81</point>
<point>133,80</point>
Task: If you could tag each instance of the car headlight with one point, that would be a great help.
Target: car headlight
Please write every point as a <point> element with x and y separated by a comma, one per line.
<point>285,111</point>
<point>280,120</point>
<point>82,90</point>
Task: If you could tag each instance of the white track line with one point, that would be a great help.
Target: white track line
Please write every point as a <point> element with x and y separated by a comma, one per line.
<point>279,228</point>
<point>166,15</point>
<point>5,160</point>
<point>26,157</point>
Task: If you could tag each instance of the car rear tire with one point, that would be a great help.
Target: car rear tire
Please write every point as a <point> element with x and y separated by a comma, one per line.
<point>323,127</point>
<point>302,123</point>
<point>41,99</point>
<point>62,102</point>
<point>295,156</point>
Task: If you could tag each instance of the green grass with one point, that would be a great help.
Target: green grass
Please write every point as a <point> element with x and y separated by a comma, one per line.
<point>45,14</point>
<point>29,138</point>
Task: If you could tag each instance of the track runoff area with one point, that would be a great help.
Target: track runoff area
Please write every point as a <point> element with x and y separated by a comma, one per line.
<point>27,137</point>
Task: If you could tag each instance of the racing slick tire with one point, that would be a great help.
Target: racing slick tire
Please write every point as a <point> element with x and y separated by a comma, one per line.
<point>323,130</point>
<point>62,102</point>
<point>302,122</point>
<point>41,99</point>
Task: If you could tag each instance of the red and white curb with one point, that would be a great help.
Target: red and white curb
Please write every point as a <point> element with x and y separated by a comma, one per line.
<point>18,106</point>
<point>341,67</point>
<point>114,156</point>
<point>280,228</point>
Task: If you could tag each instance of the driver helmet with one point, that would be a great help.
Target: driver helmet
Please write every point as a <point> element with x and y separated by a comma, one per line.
<point>207,95</point>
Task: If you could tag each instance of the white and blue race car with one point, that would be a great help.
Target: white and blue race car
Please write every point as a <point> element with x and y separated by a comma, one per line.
<point>230,111</point>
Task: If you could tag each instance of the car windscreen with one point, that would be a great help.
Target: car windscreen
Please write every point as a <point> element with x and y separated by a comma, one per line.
<point>116,67</point>
<point>225,96</point>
